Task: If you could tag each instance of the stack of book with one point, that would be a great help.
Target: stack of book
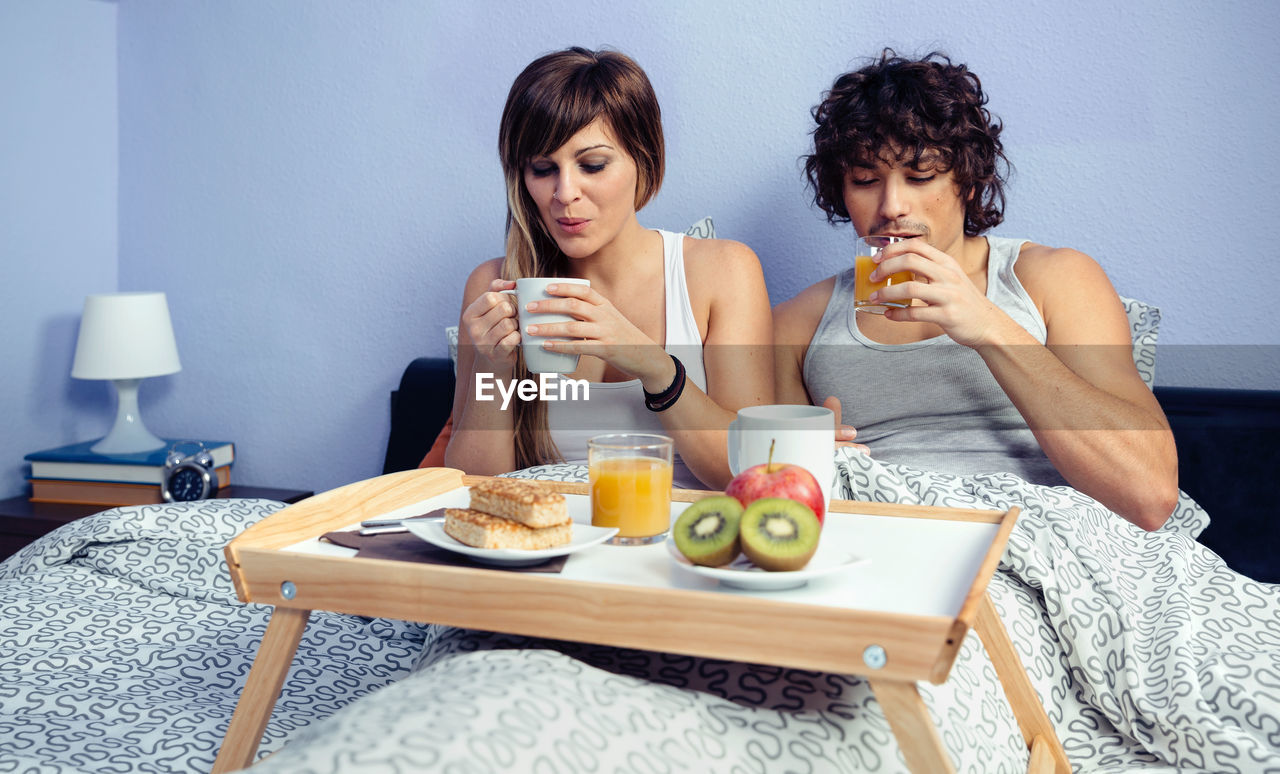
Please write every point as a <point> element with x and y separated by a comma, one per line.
<point>76,474</point>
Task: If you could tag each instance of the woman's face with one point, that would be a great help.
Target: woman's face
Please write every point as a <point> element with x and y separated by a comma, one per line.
<point>585,190</point>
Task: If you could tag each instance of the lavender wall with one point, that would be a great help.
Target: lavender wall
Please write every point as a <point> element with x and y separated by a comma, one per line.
<point>310,182</point>
<point>58,156</point>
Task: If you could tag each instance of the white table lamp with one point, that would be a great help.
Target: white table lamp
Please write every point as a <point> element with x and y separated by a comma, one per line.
<point>126,337</point>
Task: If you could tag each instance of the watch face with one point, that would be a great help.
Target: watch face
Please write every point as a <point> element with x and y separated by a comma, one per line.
<point>186,484</point>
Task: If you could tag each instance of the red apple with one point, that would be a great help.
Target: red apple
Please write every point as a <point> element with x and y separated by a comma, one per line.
<point>778,479</point>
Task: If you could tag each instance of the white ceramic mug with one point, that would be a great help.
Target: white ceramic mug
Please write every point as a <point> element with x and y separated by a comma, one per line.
<point>801,435</point>
<point>539,360</point>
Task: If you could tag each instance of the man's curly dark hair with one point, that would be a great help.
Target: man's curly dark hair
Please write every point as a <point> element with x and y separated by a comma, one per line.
<point>900,109</point>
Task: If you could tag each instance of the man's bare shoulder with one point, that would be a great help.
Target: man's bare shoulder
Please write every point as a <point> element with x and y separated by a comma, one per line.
<point>796,320</point>
<point>1063,282</point>
<point>1038,264</point>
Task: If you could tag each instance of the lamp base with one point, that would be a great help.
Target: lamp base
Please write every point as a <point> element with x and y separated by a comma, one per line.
<point>128,435</point>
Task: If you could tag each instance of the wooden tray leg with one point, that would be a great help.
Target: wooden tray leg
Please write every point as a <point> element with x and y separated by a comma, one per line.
<point>1033,721</point>
<point>909,718</point>
<point>261,689</point>
<point>1041,759</point>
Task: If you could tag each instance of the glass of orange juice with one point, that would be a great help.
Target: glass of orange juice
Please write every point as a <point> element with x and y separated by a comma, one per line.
<point>630,477</point>
<point>865,249</point>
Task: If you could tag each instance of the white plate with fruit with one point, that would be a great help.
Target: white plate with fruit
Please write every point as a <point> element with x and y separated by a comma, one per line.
<point>772,544</point>
<point>741,573</point>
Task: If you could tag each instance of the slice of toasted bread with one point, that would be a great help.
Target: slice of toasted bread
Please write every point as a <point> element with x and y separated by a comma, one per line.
<point>531,504</point>
<point>484,530</point>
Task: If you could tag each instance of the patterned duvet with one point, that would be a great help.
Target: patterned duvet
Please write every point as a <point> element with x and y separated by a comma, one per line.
<point>123,650</point>
<point>123,647</point>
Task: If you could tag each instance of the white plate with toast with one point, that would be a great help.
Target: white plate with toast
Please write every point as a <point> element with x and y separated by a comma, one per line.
<point>584,536</point>
<point>742,574</point>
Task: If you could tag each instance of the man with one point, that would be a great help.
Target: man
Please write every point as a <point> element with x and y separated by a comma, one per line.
<point>1011,356</point>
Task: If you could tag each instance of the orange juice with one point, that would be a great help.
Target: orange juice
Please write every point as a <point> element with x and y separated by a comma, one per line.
<point>862,284</point>
<point>632,494</point>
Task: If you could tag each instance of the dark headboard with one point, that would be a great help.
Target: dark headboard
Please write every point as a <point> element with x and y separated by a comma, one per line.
<point>1228,460</point>
<point>1228,455</point>
<point>419,408</point>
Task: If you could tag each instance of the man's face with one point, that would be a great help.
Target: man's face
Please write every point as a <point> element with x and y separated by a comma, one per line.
<point>892,196</point>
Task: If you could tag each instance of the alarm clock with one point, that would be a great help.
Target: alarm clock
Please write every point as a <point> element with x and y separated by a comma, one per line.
<point>188,477</point>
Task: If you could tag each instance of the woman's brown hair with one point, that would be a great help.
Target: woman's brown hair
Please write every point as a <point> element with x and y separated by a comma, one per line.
<point>551,100</point>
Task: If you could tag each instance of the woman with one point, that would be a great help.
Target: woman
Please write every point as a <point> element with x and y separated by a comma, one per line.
<point>674,333</point>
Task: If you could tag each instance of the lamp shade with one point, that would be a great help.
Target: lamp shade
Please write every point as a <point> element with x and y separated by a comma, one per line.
<point>125,336</point>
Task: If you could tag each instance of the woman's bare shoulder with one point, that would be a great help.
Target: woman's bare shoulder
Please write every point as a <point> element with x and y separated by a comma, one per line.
<point>713,255</point>
<point>482,275</point>
<point>722,266</point>
<point>488,270</point>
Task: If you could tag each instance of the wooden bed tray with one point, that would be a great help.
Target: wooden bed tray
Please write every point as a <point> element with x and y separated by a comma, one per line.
<point>893,649</point>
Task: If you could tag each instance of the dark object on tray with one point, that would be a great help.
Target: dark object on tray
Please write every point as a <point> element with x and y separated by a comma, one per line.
<point>1228,450</point>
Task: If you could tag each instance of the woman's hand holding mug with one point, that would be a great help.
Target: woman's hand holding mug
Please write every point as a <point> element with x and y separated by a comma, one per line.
<point>490,324</point>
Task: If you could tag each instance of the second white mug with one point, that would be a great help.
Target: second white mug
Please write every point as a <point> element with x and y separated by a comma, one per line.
<point>800,435</point>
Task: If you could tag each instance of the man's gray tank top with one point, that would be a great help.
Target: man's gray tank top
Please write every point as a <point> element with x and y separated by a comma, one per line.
<point>930,404</point>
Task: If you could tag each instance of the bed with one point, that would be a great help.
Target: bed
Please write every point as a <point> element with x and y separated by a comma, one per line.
<point>1148,653</point>
<point>124,649</point>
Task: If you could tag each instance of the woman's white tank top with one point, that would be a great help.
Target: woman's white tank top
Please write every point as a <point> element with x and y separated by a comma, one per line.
<point>618,407</point>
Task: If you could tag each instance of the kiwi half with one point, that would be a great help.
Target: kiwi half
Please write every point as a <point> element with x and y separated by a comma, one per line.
<point>707,531</point>
<point>779,534</point>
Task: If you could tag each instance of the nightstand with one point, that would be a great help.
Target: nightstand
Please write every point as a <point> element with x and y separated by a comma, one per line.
<point>22,521</point>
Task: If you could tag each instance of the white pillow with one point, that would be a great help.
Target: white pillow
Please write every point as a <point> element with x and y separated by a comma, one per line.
<point>703,229</point>
<point>1144,327</point>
